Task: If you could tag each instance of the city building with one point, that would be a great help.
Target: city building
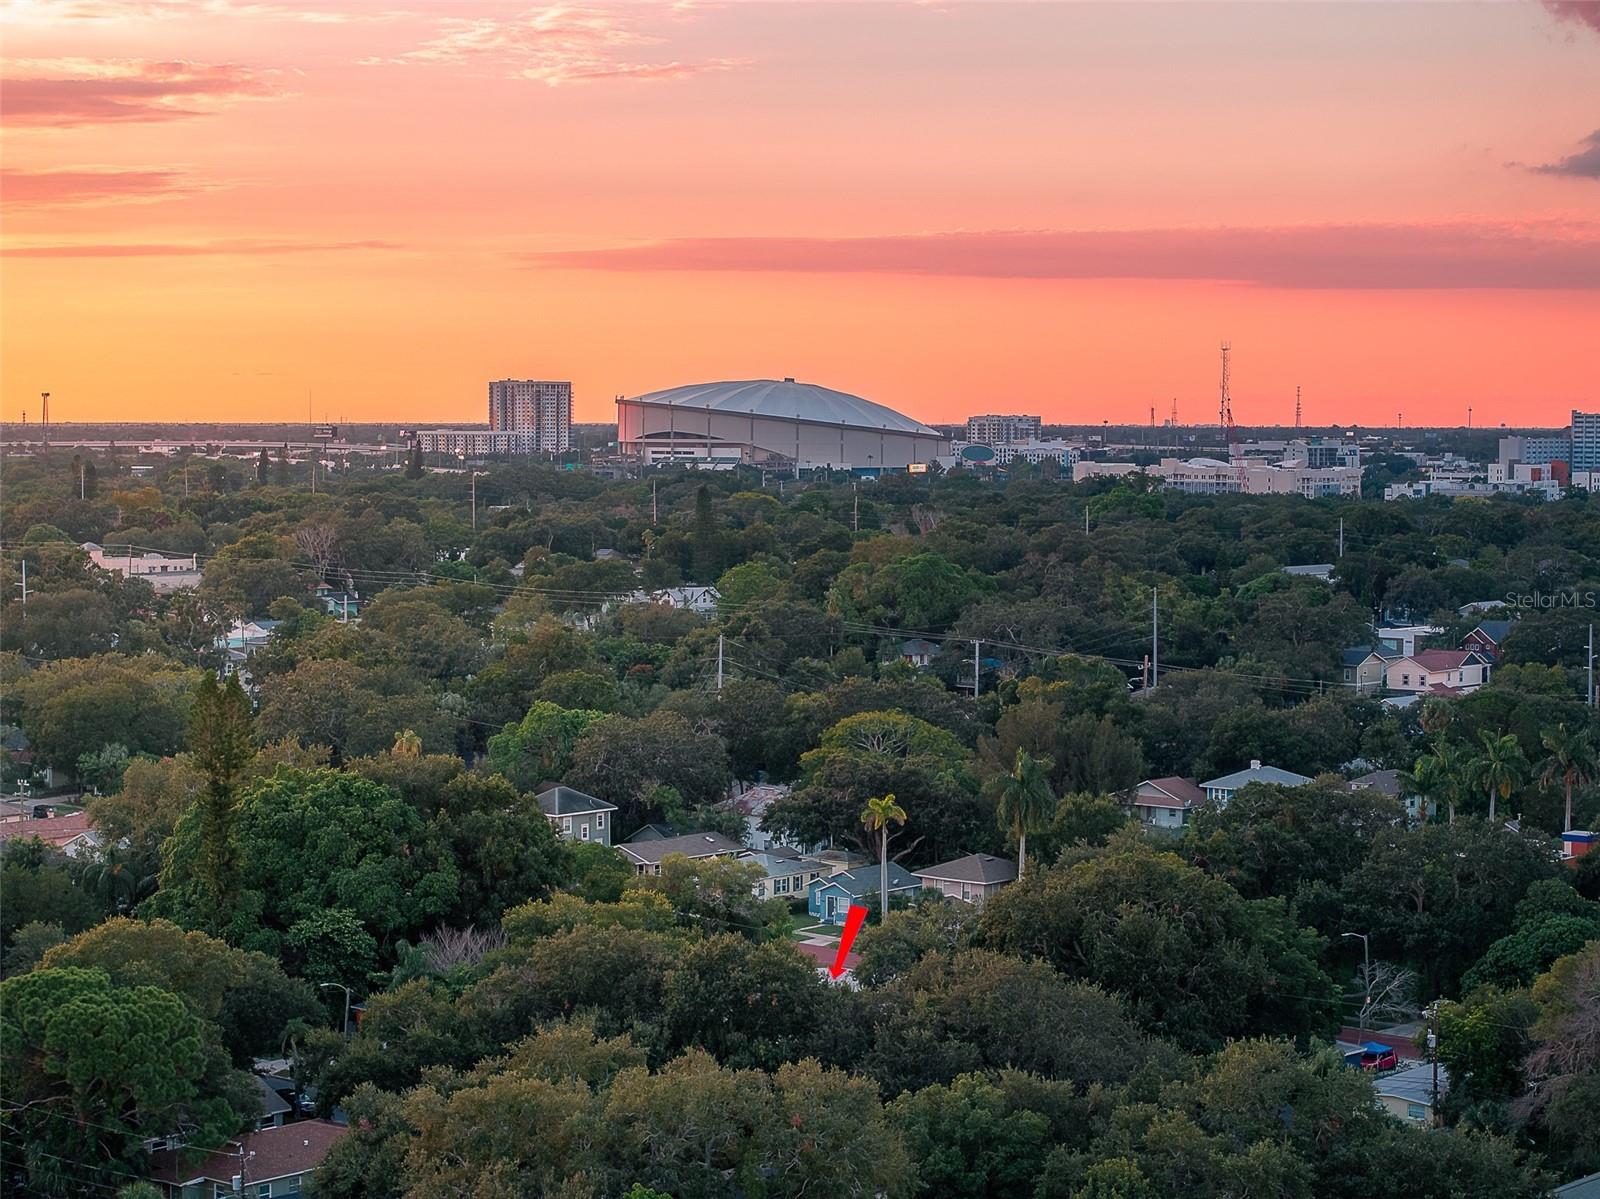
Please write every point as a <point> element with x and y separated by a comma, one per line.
<point>475,443</point>
<point>1535,449</point>
<point>773,422</point>
<point>1061,452</point>
<point>542,406</point>
<point>1585,437</point>
<point>999,430</point>
<point>160,571</point>
<point>1249,476</point>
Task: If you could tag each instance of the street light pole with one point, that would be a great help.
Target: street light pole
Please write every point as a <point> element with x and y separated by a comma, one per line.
<point>1366,979</point>
<point>325,986</point>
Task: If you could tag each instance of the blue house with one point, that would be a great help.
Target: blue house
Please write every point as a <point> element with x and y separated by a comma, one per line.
<point>829,899</point>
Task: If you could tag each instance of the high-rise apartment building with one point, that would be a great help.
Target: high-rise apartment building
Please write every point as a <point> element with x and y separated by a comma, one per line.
<point>1585,441</point>
<point>539,406</point>
<point>1000,430</point>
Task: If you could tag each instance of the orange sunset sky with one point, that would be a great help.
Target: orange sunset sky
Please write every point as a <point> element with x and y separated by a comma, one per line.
<point>213,207</point>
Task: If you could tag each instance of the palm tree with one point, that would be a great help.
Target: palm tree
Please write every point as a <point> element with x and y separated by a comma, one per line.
<point>1502,767</point>
<point>1429,780</point>
<point>1569,760</point>
<point>1025,801</point>
<point>878,815</point>
<point>407,744</point>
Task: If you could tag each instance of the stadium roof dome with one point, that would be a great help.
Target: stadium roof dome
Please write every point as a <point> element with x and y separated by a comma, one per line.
<point>784,399</point>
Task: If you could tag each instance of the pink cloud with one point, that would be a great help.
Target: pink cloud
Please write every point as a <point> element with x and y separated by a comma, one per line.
<point>1581,12</point>
<point>556,44</point>
<point>80,92</point>
<point>91,186</point>
<point>1467,255</point>
<point>189,249</point>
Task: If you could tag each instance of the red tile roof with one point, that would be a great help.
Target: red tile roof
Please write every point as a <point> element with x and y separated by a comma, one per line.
<point>55,830</point>
<point>296,1148</point>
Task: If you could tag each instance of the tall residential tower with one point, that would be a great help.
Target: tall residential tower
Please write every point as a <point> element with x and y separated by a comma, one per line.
<point>539,406</point>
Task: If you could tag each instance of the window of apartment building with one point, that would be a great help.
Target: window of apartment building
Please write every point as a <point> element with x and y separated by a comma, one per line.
<point>599,820</point>
<point>566,824</point>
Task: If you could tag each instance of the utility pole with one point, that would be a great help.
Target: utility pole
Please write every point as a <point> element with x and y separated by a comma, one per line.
<point>1086,520</point>
<point>81,487</point>
<point>472,479</point>
<point>1591,666</point>
<point>44,416</point>
<point>977,677</point>
<point>1433,1052</point>
<point>1155,638</point>
<point>24,583</point>
<point>1297,405</point>
<point>1366,978</point>
<point>655,517</point>
<point>719,661</point>
<point>1341,537</point>
<point>855,511</point>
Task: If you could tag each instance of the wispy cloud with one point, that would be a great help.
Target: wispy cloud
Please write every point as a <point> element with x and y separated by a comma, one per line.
<point>558,44</point>
<point>94,185</point>
<point>64,92</point>
<point>51,11</point>
<point>1580,12</point>
<point>1585,164</point>
<point>241,247</point>
<point>1541,255</point>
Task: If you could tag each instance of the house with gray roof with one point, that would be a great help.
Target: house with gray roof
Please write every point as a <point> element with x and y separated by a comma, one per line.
<point>645,856</point>
<point>576,816</point>
<point>1166,803</point>
<point>788,872</point>
<point>829,899</point>
<point>1220,790</point>
<point>1488,638</point>
<point>971,879</point>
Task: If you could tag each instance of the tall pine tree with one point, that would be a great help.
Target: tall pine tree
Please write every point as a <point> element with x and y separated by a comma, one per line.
<point>219,739</point>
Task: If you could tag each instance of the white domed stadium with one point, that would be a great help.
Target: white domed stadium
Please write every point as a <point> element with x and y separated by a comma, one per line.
<point>772,422</point>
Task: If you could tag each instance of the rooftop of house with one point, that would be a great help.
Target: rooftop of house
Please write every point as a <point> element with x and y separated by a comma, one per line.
<point>1181,791</point>
<point>1444,659</point>
<point>568,801</point>
<point>1414,1084</point>
<point>1256,773</point>
<point>974,868</point>
<point>650,832</point>
<point>691,845</point>
<point>1587,1187</point>
<point>1495,630</point>
<point>757,797</point>
<point>918,645</point>
<point>780,860</point>
<point>823,955</point>
<point>52,830</point>
<point>864,880</point>
<point>273,1153</point>
<point>1387,781</point>
<point>272,1101</point>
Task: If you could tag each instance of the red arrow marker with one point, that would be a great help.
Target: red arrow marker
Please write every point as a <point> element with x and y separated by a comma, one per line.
<point>852,925</point>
